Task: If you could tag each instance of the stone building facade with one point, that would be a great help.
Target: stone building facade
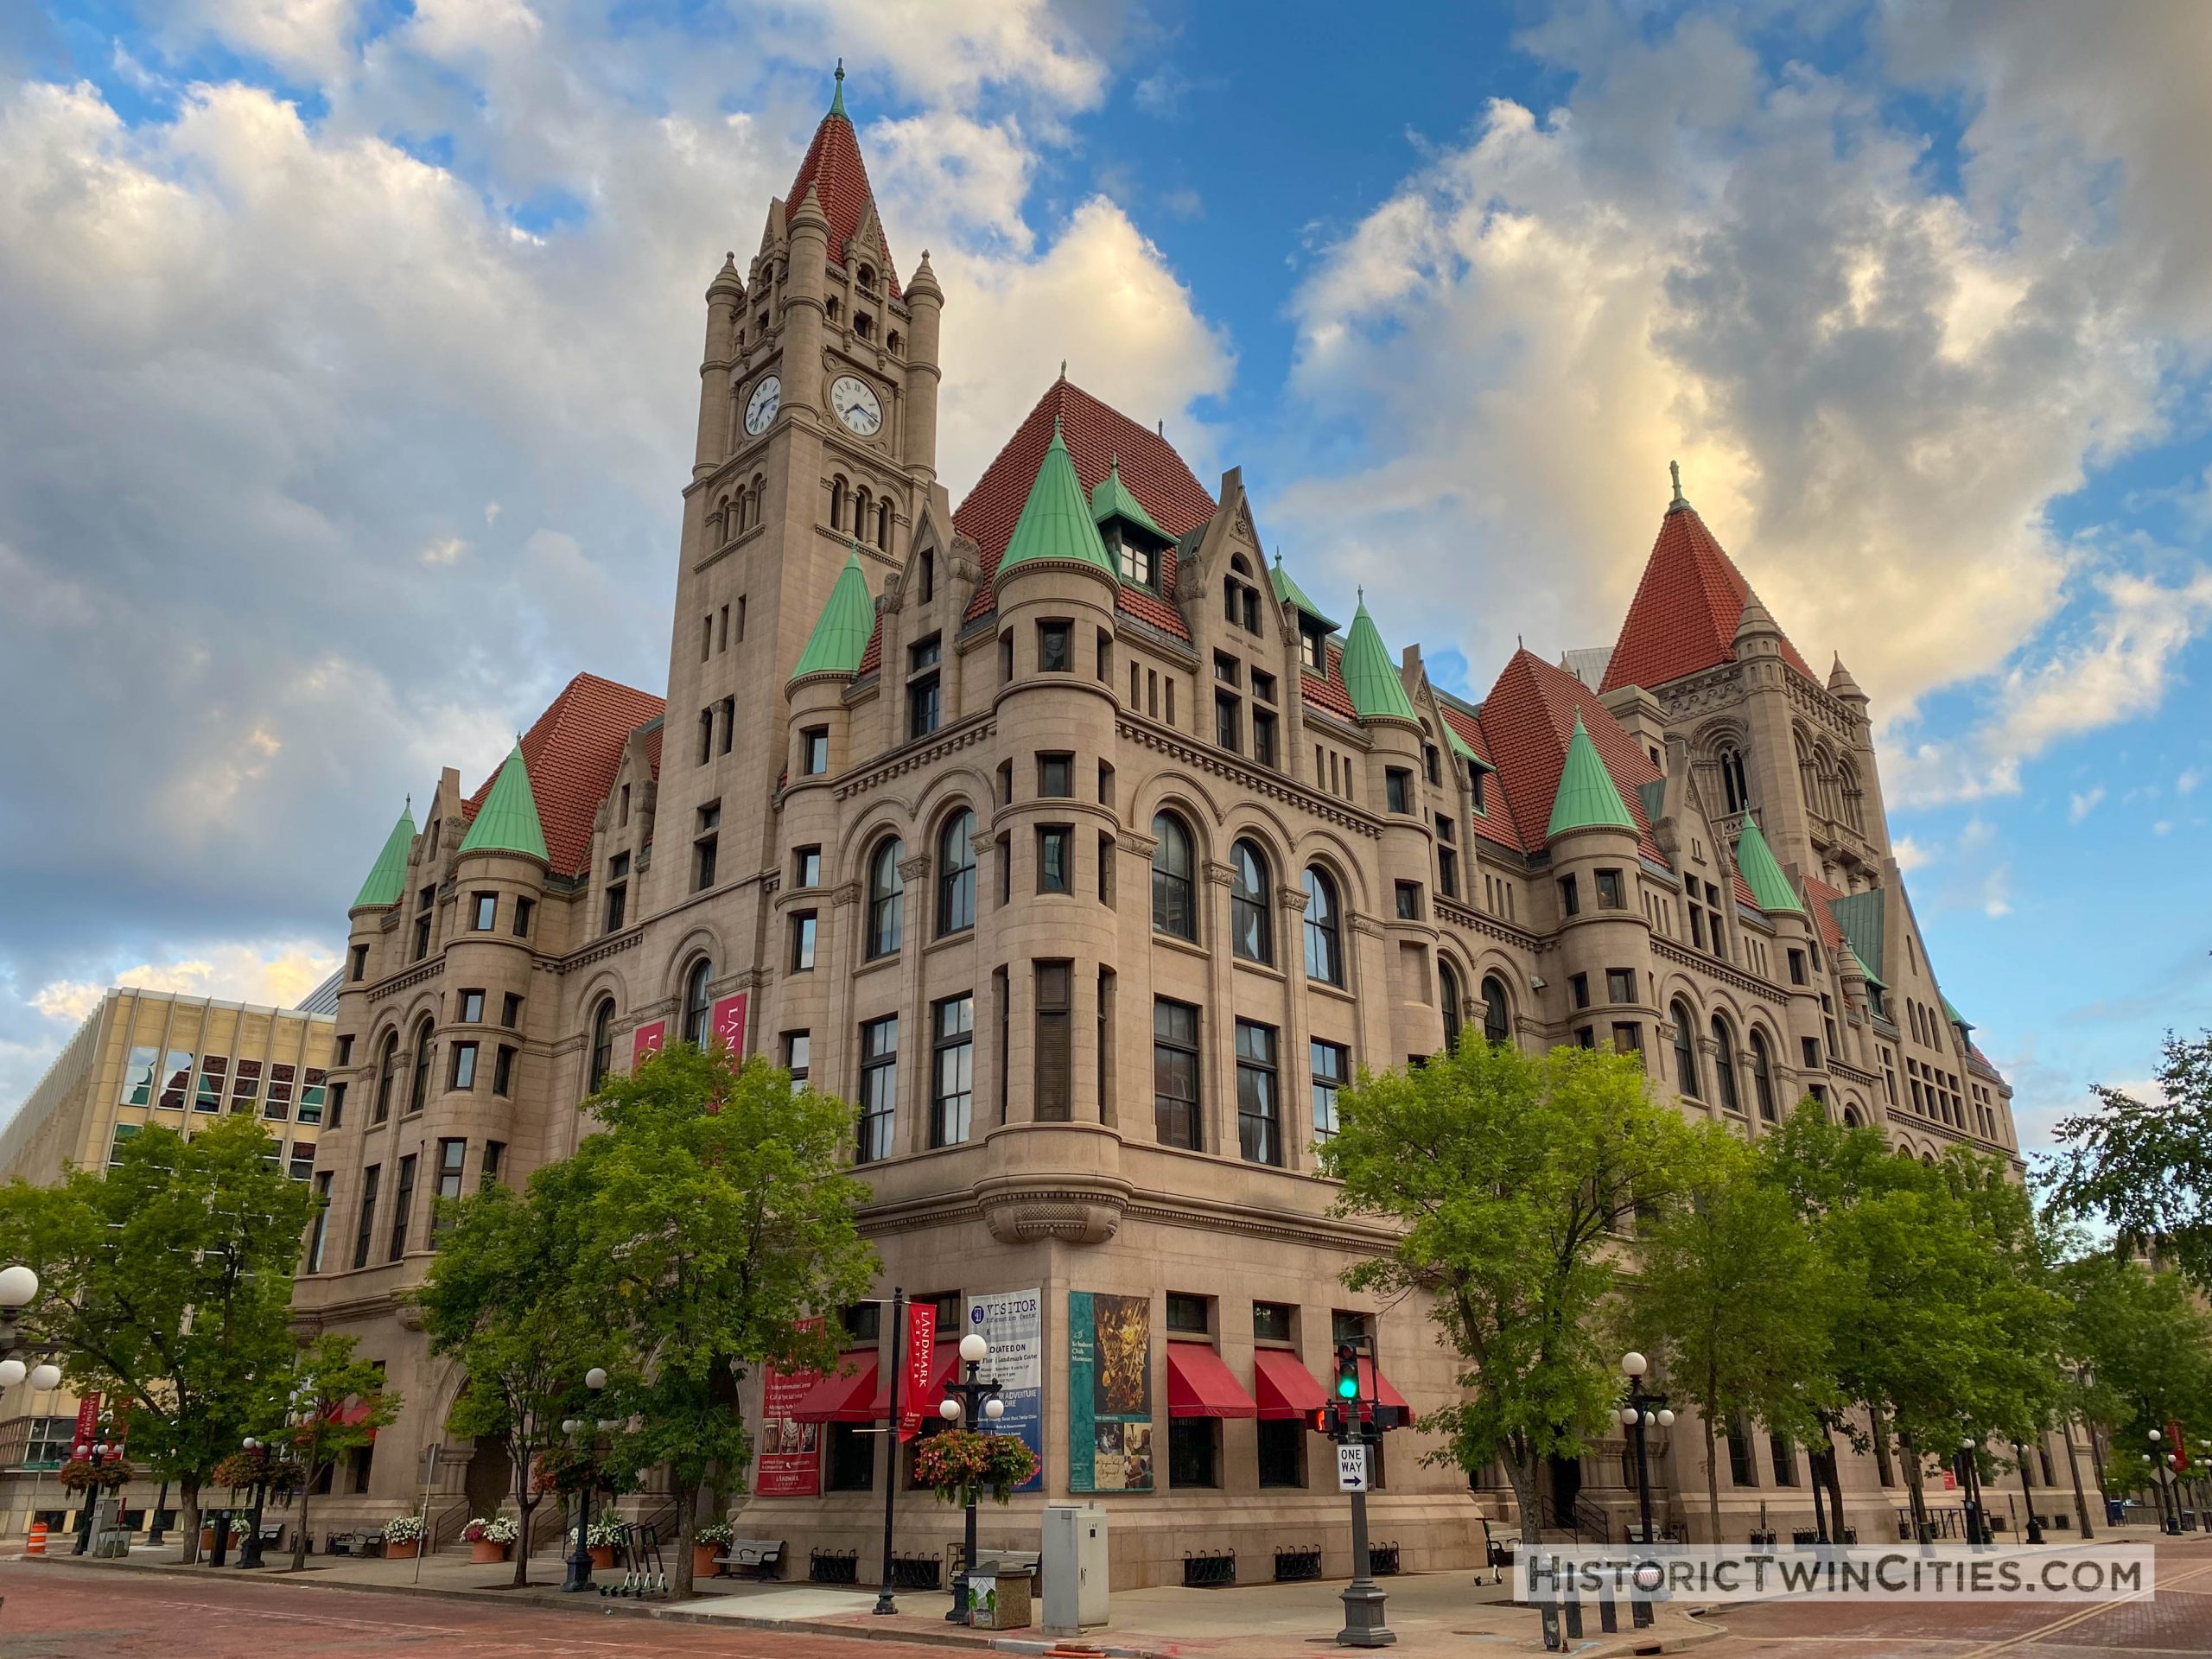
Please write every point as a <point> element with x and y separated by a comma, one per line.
<point>1075,845</point>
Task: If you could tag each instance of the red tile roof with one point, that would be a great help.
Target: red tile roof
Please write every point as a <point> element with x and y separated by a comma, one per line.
<point>833,168</point>
<point>1524,725</point>
<point>1684,616</point>
<point>1327,691</point>
<point>1494,823</point>
<point>1824,919</point>
<point>573,753</point>
<point>1095,434</point>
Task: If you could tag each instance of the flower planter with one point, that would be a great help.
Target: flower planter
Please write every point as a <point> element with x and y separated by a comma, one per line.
<point>484,1550</point>
<point>603,1556</point>
<point>703,1558</point>
<point>396,1550</point>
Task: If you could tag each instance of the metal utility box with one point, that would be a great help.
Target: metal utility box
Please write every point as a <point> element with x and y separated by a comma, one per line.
<point>1074,1567</point>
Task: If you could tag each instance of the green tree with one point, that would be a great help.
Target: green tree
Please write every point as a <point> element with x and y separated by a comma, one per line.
<point>2143,1343</point>
<point>501,1301</point>
<point>1729,1293</point>
<point>1508,1178</point>
<point>2144,1168</point>
<point>715,1219</point>
<point>166,1284</point>
<point>333,1404</point>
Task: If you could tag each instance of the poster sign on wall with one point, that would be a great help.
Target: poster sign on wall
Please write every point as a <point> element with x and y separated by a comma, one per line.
<point>1109,1393</point>
<point>726,1019</point>
<point>791,1452</point>
<point>921,1367</point>
<point>1012,1321</point>
<point>650,1040</point>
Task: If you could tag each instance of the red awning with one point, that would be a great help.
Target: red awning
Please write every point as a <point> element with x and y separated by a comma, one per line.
<point>1284,1388</point>
<point>944,1364</point>
<point>842,1399</point>
<point>1199,1385</point>
<point>1373,1385</point>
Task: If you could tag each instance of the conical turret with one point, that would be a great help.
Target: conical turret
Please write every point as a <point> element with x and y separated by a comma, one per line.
<point>508,821</point>
<point>387,878</point>
<point>1755,859</point>
<point>1370,678</point>
<point>1587,797</point>
<point>841,634</point>
<point>1056,525</point>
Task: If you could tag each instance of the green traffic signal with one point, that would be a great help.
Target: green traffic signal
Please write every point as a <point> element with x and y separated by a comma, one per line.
<point>1347,1387</point>
<point>1347,1374</point>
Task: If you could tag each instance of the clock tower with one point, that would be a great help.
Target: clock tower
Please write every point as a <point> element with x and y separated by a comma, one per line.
<point>816,439</point>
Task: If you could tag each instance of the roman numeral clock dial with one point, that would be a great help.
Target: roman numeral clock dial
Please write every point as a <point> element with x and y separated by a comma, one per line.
<point>852,401</point>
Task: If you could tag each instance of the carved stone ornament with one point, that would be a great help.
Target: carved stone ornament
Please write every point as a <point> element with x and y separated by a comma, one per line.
<point>1072,1218</point>
<point>914,869</point>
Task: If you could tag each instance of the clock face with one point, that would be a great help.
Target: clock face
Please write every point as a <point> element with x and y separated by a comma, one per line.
<point>854,403</point>
<point>760,408</point>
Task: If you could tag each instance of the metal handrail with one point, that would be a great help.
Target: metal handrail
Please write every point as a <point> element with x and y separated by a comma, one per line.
<point>445,1527</point>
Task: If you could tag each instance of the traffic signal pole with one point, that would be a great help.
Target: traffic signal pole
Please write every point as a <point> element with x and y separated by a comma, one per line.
<point>1355,1425</point>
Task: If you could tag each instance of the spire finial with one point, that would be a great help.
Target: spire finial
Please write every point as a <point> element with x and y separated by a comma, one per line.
<point>1675,472</point>
<point>408,806</point>
<point>1278,555</point>
<point>1056,425</point>
<point>1063,368</point>
<point>1362,591</point>
<point>837,102</point>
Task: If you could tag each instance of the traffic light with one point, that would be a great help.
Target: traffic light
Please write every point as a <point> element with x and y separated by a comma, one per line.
<point>1347,1373</point>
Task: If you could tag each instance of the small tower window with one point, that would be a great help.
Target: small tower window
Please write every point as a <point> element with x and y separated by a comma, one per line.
<point>897,346</point>
<point>864,325</point>
<point>883,524</point>
<point>867,277</point>
<point>838,502</point>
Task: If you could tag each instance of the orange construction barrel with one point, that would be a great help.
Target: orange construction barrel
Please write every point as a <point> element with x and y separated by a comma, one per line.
<point>36,1544</point>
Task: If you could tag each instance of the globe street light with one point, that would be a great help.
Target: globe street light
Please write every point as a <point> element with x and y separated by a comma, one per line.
<point>1978,1533</point>
<point>2028,1494</point>
<point>1642,1410</point>
<point>969,1397</point>
<point>580,1563</point>
<point>251,1555</point>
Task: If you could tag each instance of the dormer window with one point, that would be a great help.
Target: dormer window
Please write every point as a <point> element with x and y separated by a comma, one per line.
<point>863,325</point>
<point>836,309</point>
<point>867,278</point>
<point>1140,565</point>
<point>1313,646</point>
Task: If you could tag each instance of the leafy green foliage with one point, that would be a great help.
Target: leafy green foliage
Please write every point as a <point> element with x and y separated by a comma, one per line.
<point>963,1466</point>
<point>333,1405</point>
<point>2143,1344</point>
<point>1508,1176</point>
<point>2144,1168</point>
<point>166,1283</point>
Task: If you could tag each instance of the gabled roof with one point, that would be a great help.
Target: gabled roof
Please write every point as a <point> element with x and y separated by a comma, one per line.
<point>506,821</point>
<point>1823,898</point>
<point>1094,436</point>
<point>1587,797</point>
<point>841,632</point>
<point>1683,618</point>
<point>1112,500</point>
<point>573,752</point>
<point>1287,592</point>
<point>1525,726</point>
<point>387,879</point>
<point>1371,677</point>
<point>833,169</point>
<point>1860,918</point>
<point>1953,1014</point>
<point>1056,526</point>
<point>1755,862</point>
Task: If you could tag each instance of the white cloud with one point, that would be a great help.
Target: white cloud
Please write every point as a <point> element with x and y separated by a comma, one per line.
<point>444,550</point>
<point>2080,804</point>
<point>272,973</point>
<point>2163,827</point>
<point>1910,854</point>
<point>2187,783</point>
<point>1997,892</point>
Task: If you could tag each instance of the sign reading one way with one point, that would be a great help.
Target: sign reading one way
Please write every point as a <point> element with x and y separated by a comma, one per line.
<point>1352,1468</point>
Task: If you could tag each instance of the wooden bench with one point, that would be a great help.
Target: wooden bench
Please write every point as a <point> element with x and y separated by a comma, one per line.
<point>764,1555</point>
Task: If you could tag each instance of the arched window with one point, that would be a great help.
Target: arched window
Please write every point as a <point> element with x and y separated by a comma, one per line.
<point>1685,1052</point>
<point>1724,1066</point>
<point>862,510</point>
<point>387,1074</point>
<point>418,1085</point>
<point>883,524</point>
<point>696,1003</point>
<point>1850,1117</point>
<point>1249,936</point>
<point>1498,1011</point>
<point>956,874</point>
<point>867,277</point>
<point>1325,949</point>
<point>1448,993</point>
<point>897,346</point>
<point>1854,811</point>
<point>838,502</point>
<point>928,575</point>
<point>1733,786</point>
<point>723,525</point>
<point>886,891</point>
<point>602,1044</point>
<point>1763,1077</point>
<point>1174,908</point>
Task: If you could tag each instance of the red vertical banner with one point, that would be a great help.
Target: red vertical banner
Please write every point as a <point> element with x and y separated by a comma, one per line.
<point>2178,1447</point>
<point>650,1040</point>
<point>726,1019</point>
<point>921,1366</point>
<point>791,1452</point>
<point>88,1420</point>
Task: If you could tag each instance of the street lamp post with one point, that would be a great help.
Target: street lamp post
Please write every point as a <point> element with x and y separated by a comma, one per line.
<point>99,1454</point>
<point>2028,1494</point>
<point>1977,1522</point>
<point>2162,1488</point>
<point>1643,1411</point>
<point>580,1562</point>
<point>251,1555</point>
<point>885,1601</point>
<point>969,1397</point>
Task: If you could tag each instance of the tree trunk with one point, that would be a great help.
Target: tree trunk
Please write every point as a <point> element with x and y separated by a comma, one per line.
<point>687,1526</point>
<point>1913,1491</point>
<point>1835,1480</point>
<point>300,1530</point>
<point>1711,1475</point>
<point>1523,1473</point>
<point>187,1503</point>
<point>2074,1469</point>
<point>525,1501</point>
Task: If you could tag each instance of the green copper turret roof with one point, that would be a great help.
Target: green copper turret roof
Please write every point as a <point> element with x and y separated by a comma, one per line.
<point>1587,797</point>
<point>1056,523</point>
<point>1953,1014</point>
<point>1112,500</point>
<point>1289,593</point>
<point>1769,887</point>
<point>1369,676</point>
<point>388,875</point>
<point>1861,917</point>
<point>841,634</point>
<point>837,102</point>
<point>508,822</point>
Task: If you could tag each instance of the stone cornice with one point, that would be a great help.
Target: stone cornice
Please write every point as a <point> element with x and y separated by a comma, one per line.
<point>421,972</point>
<point>613,946</point>
<point>1727,973</point>
<point>949,740</point>
<point>1474,921</point>
<point>1275,786</point>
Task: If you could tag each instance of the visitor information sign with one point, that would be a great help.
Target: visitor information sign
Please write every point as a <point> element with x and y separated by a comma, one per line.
<point>1012,1321</point>
<point>1109,1393</point>
<point>791,1452</point>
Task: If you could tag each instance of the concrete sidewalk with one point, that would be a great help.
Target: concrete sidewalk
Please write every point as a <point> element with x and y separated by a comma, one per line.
<point>1434,1615</point>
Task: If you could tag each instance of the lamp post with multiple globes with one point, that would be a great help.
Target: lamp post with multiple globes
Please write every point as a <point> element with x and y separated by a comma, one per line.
<point>969,1397</point>
<point>1644,1410</point>
<point>580,1559</point>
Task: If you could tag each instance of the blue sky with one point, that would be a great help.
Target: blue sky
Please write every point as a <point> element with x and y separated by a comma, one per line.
<point>351,382</point>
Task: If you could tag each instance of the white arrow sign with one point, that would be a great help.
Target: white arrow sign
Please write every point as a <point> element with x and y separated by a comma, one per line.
<point>1352,1468</point>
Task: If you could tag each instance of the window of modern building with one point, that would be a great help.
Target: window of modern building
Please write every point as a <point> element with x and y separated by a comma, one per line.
<point>1175,1074</point>
<point>1055,858</point>
<point>403,1207</point>
<point>1724,1066</point>
<point>1055,1063</point>
<point>878,1088</point>
<point>952,1065</point>
<point>1174,907</point>
<point>365,1229</point>
<point>1331,1065</point>
<point>1686,1077</point>
<point>464,1067</point>
<point>1259,1116</point>
<point>1055,647</point>
<point>814,751</point>
<point>887,892</point>
<point>956,874</point>
<point>602,1044</point>
<point>1251,933</point>
<point>1325,950</point>
<point>1055,776</point>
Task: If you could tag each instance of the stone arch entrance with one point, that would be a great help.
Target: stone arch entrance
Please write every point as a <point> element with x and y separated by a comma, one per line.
<point>490,1481</point>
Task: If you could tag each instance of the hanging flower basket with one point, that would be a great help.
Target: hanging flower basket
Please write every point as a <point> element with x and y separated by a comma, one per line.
<point>961,1466</point>
<point>81,1475</point>
<point>244,1469</point>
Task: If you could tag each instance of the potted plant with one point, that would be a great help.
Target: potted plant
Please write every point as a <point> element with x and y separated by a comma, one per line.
<point>709,1542</point>
<point>489,1539</point>
<point>403,1537</point>
<point>605,1535</point>
<point>207,1535</point>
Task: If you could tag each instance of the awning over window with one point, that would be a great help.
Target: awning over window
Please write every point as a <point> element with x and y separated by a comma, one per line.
<point>1199,1385</point>
<point>944,1367</point>
<point>844,1399</point>
<point>1373,1385</point>
<point>1284,1387</point>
